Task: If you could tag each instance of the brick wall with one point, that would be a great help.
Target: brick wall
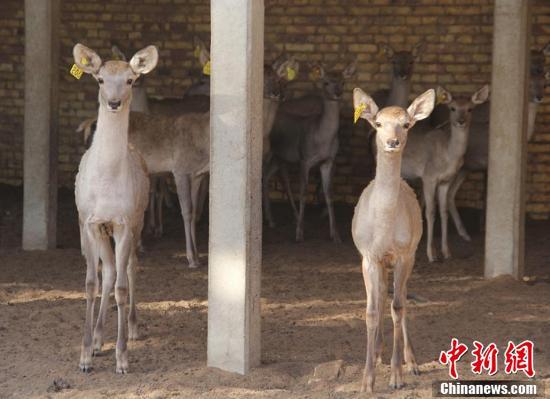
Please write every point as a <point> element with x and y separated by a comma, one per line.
<point>458,35</point>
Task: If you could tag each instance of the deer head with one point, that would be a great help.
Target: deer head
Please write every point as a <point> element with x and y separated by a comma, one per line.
<point>460,108</point>
<point>283,70</point>
<point>332,83</point>
<point>403,61</point>
<point>538,79</point>
<point>392,124</point>
<point>115,78</point>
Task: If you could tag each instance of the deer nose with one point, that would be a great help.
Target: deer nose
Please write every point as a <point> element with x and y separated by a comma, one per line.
<point>115,104</point>
<point>538,99</point>
<point>393,143</point>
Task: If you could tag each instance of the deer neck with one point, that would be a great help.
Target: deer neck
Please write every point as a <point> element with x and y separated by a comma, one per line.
<point>269,112</point>
<point>330,118</point>
<point>399,92</point>
<point>387,181</point>
<point>139,100</point>
<point>531,118</point>
<point>458,141</point>
<point>110,145</point>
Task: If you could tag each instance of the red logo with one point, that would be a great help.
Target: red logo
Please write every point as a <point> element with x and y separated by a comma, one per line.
<point>485,359</point>
<point>452,356</point>
<point>519,358</point>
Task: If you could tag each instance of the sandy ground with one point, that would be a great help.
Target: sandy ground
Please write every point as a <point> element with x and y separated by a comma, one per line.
<point>313,304</point>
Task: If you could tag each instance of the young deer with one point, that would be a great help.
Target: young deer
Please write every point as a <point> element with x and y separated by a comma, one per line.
<point>436,155</point>
<point>111,192</point>
<point>477,154</point>
<point>401,74</point>
<point>309,141</point>
<point>386,229</point>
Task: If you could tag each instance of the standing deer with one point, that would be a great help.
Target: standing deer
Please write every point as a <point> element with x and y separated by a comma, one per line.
<point>386,229</point>
<point>436,155</point>
<point>309,141</point>
<point>477,154</point>
<point>401,74</point>
<point>111,192</point>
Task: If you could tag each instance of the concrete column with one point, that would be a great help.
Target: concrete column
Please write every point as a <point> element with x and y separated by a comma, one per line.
<point>40,124</point>
<point>504,237</point>
<point>235,184</point>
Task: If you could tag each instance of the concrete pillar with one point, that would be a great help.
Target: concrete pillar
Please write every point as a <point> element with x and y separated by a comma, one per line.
<point>40,124</point>
<point>504,237</point>
<point>235,179</point>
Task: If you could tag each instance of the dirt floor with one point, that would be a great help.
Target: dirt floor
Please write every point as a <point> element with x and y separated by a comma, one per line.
<point>313,306</point>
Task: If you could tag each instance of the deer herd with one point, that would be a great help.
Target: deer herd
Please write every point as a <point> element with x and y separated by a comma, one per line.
<point>135,142</point>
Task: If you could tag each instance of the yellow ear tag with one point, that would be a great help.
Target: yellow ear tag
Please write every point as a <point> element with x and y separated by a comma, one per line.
<point>290,73</point>
<point>206,68</point>
<point>358,111</point>
<point>441,98</point>
<point>84,61</point>
<point>76,71</point>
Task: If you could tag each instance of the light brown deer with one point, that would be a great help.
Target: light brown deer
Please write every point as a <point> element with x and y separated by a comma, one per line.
<point>111,192</point>
<point>386,229</point>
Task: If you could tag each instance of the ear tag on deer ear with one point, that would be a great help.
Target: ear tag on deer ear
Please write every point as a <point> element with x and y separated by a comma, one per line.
<point>206,68</point>
<point>290,73</point>
<point>76,71</point>
<point>84,61</point>
<point>358,111</point>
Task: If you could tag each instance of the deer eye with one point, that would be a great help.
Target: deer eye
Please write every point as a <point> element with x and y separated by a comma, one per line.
<point>129,81</point>
<point>377,124</point>
<point>407,125</point>
<point>453,109</point>
<point>100,81</point>
<point>469,110</point>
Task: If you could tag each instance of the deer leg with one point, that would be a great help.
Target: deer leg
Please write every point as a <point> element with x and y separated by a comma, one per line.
<point>123,248</point>
<point>442,191</point>
<point>382,301</point>
<point>132,315</point>
<point>108,279</point>
<point>91,253</point>
<point>203,192</point>
<point>397,313</point>
<point>455,185</point>
<point>410,358</point>
<point>151,212</point>
<point>183,185</point>
<point>326,178</point>
<point>286,181</point>
<point>160,191</point>
<point>372,277</point>
<point>270,170</point>
<point>196,183</point>
<point>429,188</point>
<point>304,180</point>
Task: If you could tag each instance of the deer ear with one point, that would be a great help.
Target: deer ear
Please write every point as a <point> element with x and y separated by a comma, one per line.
<point>442,96</point>
<point>364,106</point>
<point>480,96</point>
<point>86,59</point>
<point>118,54</point>
<point>547,75</point>
<point>546,49</point>
<point>422,106</point>
<point>350,70</point>
<point>388,51</point>
<point>201,51</point>
<point>418,49</point>
<point>145,60</point>
<point>317,71</point>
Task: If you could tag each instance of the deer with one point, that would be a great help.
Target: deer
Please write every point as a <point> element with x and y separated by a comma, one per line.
<point>436,155</point>
<point>386,229</point>
<point>401,73</point>
<point>111,192</point>
<point>309,141</point>
<point>183,148</point>
<point>477,154</point>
